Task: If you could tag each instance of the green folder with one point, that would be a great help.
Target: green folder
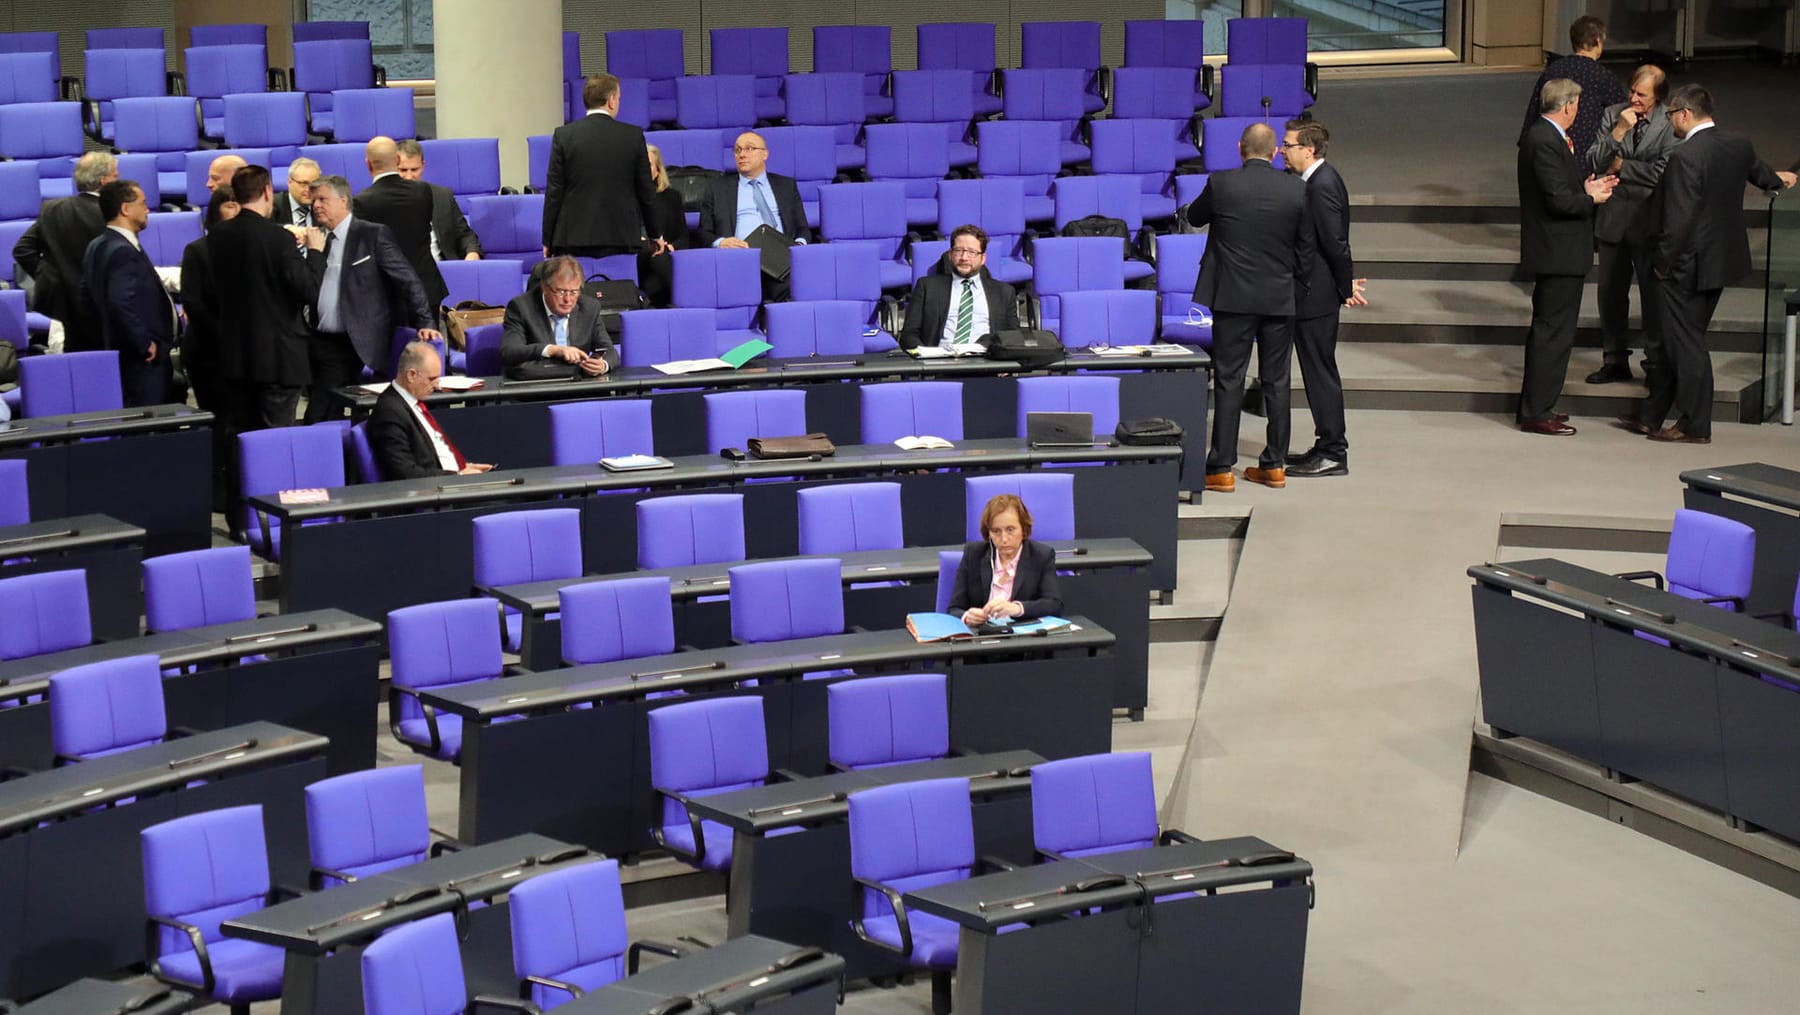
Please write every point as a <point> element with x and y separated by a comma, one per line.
<point>742,354</point>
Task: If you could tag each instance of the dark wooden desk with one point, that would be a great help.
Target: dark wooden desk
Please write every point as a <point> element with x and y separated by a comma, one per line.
<point>1767,499</point>
<point>149,467</point>
<point>741,975</point>
<point>109,550</point>
<point>315,671</point>
<point>1051,695</point>
<point>1713,717</point>
<point>103,997</point>
<point>378,529</point>
<point>71,865</point>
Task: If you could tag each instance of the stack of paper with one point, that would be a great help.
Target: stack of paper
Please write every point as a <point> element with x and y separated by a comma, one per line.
<point>731,360</point>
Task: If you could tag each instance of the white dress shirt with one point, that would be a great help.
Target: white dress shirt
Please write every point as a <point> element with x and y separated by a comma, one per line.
<point>446,457</point>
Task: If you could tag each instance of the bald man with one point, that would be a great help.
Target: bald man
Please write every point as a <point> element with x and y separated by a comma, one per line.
<point>404,206</point>
<point>219,173</point>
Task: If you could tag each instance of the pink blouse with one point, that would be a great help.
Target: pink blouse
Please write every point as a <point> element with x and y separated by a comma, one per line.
<point>1004,572</point>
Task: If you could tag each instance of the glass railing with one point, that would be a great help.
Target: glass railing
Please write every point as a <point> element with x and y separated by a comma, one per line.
<point>1783,278</point>
<point>1340,25</point>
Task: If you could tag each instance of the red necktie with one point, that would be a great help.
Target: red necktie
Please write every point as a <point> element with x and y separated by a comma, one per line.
<point>1570,142</point>
<point>460,461</point>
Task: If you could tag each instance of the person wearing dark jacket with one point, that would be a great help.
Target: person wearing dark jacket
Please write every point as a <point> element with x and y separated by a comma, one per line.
<point>597,188</point>
<point>51,248</point>
<point>404,438</point>
<point>668,219</point>
<point>452,238</point>
<point>200,346</point>
<point>126,296</point>
<point>1702,247</point>
<point>1633,144</point>
<point>1328,290</point>
<point>1007,574</point>
<point>1259,256</point>
<point>1600,87</point>
<point>405,207</point>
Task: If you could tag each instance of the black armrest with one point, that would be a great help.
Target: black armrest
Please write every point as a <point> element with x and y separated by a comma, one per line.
<point>994,864</point>
<point>638,948</point>
<point>545,981</point>
<point>278,80</point>
<point>510,190</point>
<point>1737,602</point>
<point>90,119</point>
<point>279,892</point>
<point>698,853</point>
<point>996,84</point>
<point>1312,79</point>
<point>319,874</point>
<point>1171,836</point>
<point>444,845</point>
<point>894,900</point>
<point>381,76</point>
<point>207,981</point>
<point>69,87</point>
<point>1104,74</point>
<point>784,775</point>
<point>1034,310</point>
<point>480,1001</point>
<point>1209,81</point>
<point>395,692</point>
<point>174,82</point>
<point>1638,576</point>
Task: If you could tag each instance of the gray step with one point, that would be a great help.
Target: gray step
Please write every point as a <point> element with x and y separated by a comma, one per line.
<point>1484,208</point>
<point>1472,251</point>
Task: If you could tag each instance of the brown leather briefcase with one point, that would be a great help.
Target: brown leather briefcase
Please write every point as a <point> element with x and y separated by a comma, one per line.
<point>800,446</point>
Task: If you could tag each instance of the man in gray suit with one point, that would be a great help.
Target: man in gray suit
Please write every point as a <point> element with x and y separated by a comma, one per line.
<point>1633,144</point>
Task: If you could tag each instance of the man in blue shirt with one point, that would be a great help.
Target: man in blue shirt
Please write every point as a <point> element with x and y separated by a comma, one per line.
<point>733,207</point>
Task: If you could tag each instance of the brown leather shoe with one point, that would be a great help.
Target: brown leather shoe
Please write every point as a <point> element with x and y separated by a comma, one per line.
<point>1220,482</point>
<point>1670,435</point>
<point>1626,421</point>
<point>1547,427</point>
<point>1276,478</point>
<point>1560,417</point>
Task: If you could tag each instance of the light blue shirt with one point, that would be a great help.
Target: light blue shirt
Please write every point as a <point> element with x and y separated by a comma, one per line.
<point>329,317</point>
<point>748,216</point>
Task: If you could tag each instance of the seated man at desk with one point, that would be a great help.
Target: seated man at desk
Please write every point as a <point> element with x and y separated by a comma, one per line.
<point>405,439</point>
<point>1008,574</point>
<point>963,304</point>
<point>554,329</point>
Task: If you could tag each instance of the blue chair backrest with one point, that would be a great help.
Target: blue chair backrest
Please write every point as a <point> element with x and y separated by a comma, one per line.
<point>106,707</point>
<point>342,159</point>
<point>467,165</point>
<point>1060,44</point>
<point>997,206</point>
<point>1153,93</point>
<point>1049,496</point>
<point>968,45</point>
<point>314,31</point>
<point>122,73</point>
<point>45,612</point>
<point>1111,196</point>
<point>779,600</point>
<point>41,130</point>
<point>569,926</point>
<point>69,382</point>
<point>494,282</point>
<point>1100,803</point>
<point>733,417</point>
<point>816,327</point>
<point>879,721</point>
<point>934,96</point>
<point>1175,42</point>
<point>911,835</point>
<point>19,197</point>
<point>652,53</point>
<point>357,439</point>
<point>729,281</point>
<point>35,42</point>
<point>585,432</point>
<point>628,618</point>
<point>915,153</point>
<point>863,211</point>
<point>366,822</point>
<point>911,409</point>
<point>527,546</point>
<point>1044,93</point>
<point>15,493</point>
<point>215,71</point>
<point>1243,89</point>
<point>359,114</point>
<point>948,563</point>
<point>1710,556</point>
<point>124,38</point>
<point>1132,146</point>
<point>849,517</point>
<point>166,237</point>
<point>708,148</point>
<point>1086,393</point>
<point>443,644</point>
<point>662,335</point>
<point>204,869</point>
<point>228,35</point>
<point>198,588</point>
<point>510,226</point>
<point>1026,148</point>
<point>1106,317</point>
<point>323,66</point>
<point>1178,266</point>
<point>760,52</point>
<point>415,969</point>
<point>827,99</point>
<point>719,101</point>
<point>835,271</point>
<point>700,528</point>
<point>1265,40</point>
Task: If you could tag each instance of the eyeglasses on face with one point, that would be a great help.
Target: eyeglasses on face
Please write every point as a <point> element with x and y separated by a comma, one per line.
<point>565,293</point>
<point>748,148</point>
<point>965,251</point>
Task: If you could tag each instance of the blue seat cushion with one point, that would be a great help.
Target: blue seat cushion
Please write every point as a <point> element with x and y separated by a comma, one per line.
<point>242,970</point>
<point>933,937</point>
<point>718,842</point>
<point>418,731</point>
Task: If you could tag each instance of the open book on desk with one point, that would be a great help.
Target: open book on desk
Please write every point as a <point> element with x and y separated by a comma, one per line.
<point>730,360</point>
<point>950,351</point>
<point>923,442</point>
<point>928,627</point>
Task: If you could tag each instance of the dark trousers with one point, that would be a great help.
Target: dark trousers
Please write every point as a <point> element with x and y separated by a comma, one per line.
<point>1620,265</point>
<point>334,364</point>
<point>1233,335</point>
<point>1315,340</point>
<point>271,405</point>
<point>145,383</point>
<point>656,277</point>
<point>1555,307</point>
<point>1686,315</point>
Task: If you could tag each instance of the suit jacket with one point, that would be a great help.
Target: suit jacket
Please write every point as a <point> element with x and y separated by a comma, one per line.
<point>124,293</point>
<point>264,287</point>
<point>455,237</point>
<point>1600,88</point>
<point>1333,270</point>
<point>1556,216</point>
<point>527,330</point>
<point>1260,247</point>
<point>1628,215</point>
<point>598,188</point>
<point>200,340</point>
<point>1703,244</point>
<point>1034,583</point>
<point>377,291</point>
<point>404,206</point>
<point>928,309</point>
<point>51,250</point>
<point>402,448</point>
<point>283,211</point>
<point>719,208</point>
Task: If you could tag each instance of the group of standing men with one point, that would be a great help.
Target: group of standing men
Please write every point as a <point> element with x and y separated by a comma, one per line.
<point>1647,176</point>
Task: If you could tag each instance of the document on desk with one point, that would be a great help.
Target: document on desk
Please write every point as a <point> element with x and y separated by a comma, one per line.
<point>923,442</point>
<point>950,351</point>
<point>730,360</point>
<point>633,463</point>
<point>928,627</point>
<point>448,383</point>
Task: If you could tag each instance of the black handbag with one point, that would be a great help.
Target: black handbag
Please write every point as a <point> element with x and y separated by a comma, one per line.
<point>691,183</point>
<point>1148,432</point>
<point>616,295</point>
<point>1030,348</point>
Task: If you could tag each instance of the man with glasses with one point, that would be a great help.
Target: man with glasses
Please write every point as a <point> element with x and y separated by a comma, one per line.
<point>963,305</point>
<point>406,441</point>
<point>556,330</point>
<point>1702,248</point>
<point>598,190</point>
<point>1633,144</point>
<point>451,235</point>
<point>735,207</point>
<point>294,208</point>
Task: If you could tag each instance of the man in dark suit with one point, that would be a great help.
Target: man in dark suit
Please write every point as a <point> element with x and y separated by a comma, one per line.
<point>1633,144</point>
<point>963,305</point>
<point>51,249</point>
<point>1259,254</point>
<point>404,206</point>
<point>366,287</point>
<point>1556,247</point>
<point>405,439</point>
<point>1702,248</point>
<point>733,207</point>
<point>556,329</point>
<point>598,189</point>
<point>294,207</point>
<point>125,295</point>
<point>264,289</point>
<point>1328,290</point>
<point>452,238</point>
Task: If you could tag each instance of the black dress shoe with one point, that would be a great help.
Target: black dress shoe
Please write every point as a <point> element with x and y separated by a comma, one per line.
<point>1610,373</point>
<point>1547,427</point>
<point>1319,465</point>
<point>1308,455</point>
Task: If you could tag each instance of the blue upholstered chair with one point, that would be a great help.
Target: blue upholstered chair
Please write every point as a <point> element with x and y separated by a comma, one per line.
<point>665,334</point>
<point>315,31</point>
<point>1079,393</point>
<point>834,100</point>
<point>285,458</point>
<point>513,547</point>
<point>906,836</point>
<point>867,50</point>
<point>1054,95</point>
<point>949,561</point>
<point>1095,317</point>
<point>45,612</point>
<point>70,382</point>
<point>416,969</point>
<point>964,45</point>
<point>848,517</point>
<point>359,114</point>
<point>356,442</point>
<point>438,645</point>
<point>729,282</point>
<point>1050,496</point>
<point>759,53</point>
<point>779,600</point>
<point>217,70</point>
<point>698,749</point>
<point>469,166</point>
<point>1068,263</point>
<point>106,707</point>
<point>911,409</point>
<point>569,935</point>
<point>15,493</point>
<point>945,98</point>
<point>324,66</point>
<point>363,823</point>
<point>1177,269</point>
<point>228,35</point>
<point>1071,44</point>
<point>653,56</point>
<point>1711,558</point>
<point>881,721</point>
<point>733,417</point>
<point>915,155</point>
<point>1098,803</point>
<point>701,528</point>
<point>800,329</point>
<point>872,214</point>
<point>725,102</point>
<point>198,588</point>
<point>582,433</point>
<point>844,270</point>
<point>199,871</point>
<point>1025,150</point>
<point>627,618</point>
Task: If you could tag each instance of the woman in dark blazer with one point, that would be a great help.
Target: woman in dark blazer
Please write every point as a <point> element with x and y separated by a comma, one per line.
<point>1007,574</point>
<point>656,271</point>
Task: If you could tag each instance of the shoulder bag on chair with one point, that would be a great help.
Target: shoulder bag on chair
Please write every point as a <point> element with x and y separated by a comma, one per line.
<point>801,446</point>
<point>469,314</point>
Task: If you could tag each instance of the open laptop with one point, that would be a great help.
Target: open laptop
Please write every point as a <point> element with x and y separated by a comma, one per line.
<point>1059,429</point>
